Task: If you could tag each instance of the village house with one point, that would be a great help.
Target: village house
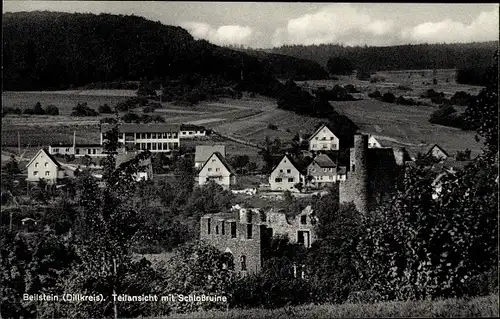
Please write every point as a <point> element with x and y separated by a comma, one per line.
<point>438,152</point>
<point>157,137</point>
<point>217,169</point>
<point>192,131</point>
<point>92,150</point>
<point>324,171</point>
<point>323,140</point>
<point>286,175</point>
<point>203,152</point>
<point>373,142</point>
<point>245,233</point>
<point>44,166</point>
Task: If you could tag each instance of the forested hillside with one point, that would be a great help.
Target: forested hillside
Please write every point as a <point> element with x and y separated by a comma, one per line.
<point>403,57</point>
<point>54,50</point>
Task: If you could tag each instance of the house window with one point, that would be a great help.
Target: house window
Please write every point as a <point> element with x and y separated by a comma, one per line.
<point>35,173</point>
<point>249,231</point>
<point>148,146</point>
<point>209,225</point>
<point>334,145</point>
<point>47,173</point>
<point>209,169</point>
<point>243,261</point>
<point>148,135</point>
<point>290,180</point>
<point>176,145</point>
<point>67,150</point>
<point>160,146</point>
<point>331,138</point>
<point>154,146</point>
<point>278,180</point>
<point>165,146</point>
<point>324,169</point>
<point>313,170</point>
<point>190,133</point>
<point>233,229</point>
<point>303,219</point>
<point>89,151</point>
<point>316,138</point>
<point>94,151</point>
<point>36,164</point>
<point>55,150</point>
<point>281,171</point>
<point>217,169</point>
<point>46,164</point>
<point>289,171</point>
<point>324,146</point>
<point>77,151</point>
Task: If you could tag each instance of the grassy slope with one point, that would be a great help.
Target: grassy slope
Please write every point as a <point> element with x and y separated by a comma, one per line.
<point>475,307</point>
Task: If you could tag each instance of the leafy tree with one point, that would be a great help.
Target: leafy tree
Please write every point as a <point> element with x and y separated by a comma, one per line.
<point>52,110</point>
<point>81,109</point>
<point>388,98</point>
<point>105,109</point>
<point>482,113</point>
<point>240,161</point>
<point>463,155</point>
<point>38,110</point>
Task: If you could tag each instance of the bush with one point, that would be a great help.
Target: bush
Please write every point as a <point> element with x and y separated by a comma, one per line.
<point>388,97</point>
<point>38,110</point>
<point>105,109</point>
<point>375,95</point>
<point>272,126</point>
<point>11,110</point>
<point>401,100</point>
<point>130,118</point>
<point>52,110</point>
<point>83,110</point>
<point>351,89</point>
<point>148,109</point>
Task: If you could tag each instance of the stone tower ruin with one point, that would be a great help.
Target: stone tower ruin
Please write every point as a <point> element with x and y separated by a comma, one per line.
<point>355,189</point>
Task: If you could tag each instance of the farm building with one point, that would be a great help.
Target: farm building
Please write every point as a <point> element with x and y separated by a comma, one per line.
<point>92,150</point>
<point>286,175</point>
<point>244,234</point>
<point>217,169</point>
<point>192,131</point>
<point>323,140</point>
<point>153,137</point>
<point>203,152</point>
<point>323,171</point>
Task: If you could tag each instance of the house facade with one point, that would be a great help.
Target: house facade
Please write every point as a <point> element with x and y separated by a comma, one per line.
<point>203,152</point>
<point>217,169</point>
<point>286,175</point>
<point>192,131</point>
<point>323,171</point>
<point>44,166</point>
<point>373,142</point>
<point>323,140</point>
<point>156,138</point>
<point>92,150</point>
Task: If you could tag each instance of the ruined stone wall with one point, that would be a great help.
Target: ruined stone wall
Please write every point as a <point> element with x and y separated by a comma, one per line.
<point>221,237</point>
<point>290,227</point>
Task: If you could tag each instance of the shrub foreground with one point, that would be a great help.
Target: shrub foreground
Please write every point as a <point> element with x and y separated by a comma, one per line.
<point>451,308</point>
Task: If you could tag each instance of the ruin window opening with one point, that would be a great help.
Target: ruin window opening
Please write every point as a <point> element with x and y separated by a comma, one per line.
<point>249,231</point>
<point>233,230</point>
<point>243,261</point>
<point>208,225</point>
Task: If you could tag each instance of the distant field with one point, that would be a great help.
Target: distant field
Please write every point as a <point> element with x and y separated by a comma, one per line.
<point>408,126</point>
<point>65,102</point>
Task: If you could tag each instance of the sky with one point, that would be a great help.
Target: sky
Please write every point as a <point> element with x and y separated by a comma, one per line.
<point>265,25</point>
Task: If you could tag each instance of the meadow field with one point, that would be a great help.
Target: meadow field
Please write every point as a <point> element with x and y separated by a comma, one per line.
<point>448,308</point>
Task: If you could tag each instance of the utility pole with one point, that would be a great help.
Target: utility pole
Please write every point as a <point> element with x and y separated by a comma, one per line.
<point>18,143</point>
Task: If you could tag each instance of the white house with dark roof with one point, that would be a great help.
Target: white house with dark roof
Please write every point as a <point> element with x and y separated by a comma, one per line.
<point>323,140</point>
<point>203,152</point>
<point>373,142</point>
<point>216,168</point>
<point>44,166</point>
<point>155,137</point>
<point>285,175</point>
<point>438,152</point>
<point>324,171</point>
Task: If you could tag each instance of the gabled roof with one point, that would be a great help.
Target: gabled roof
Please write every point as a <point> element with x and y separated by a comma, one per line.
<point>324,161</point>
<point>439,147</point>
<point>297,167</point>
<point>203,152</point>
<point>223,160</point>
<point>46,152</point>
<point>319,129</point>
